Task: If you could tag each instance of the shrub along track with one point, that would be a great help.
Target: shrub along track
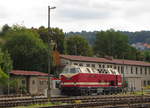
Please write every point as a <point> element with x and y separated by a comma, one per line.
<point>80,101</point>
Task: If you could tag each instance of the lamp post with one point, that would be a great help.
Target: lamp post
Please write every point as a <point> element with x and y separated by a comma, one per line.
<point>49,51</point>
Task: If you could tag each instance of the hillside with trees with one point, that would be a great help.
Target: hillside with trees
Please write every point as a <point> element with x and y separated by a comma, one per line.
<point>134,37</point>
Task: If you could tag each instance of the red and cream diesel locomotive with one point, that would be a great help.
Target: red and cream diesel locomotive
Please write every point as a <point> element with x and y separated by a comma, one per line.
<point>77,80</point>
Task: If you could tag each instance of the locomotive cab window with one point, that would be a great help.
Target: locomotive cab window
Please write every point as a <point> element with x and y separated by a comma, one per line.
<point>74,70</point>
<point>66,70</point>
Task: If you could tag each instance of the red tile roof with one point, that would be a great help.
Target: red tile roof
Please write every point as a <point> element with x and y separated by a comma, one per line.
<point>105,60</point>
<point>28,73</point>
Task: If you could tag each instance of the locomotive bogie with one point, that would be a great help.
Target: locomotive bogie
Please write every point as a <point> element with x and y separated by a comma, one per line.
<point>79,91</point>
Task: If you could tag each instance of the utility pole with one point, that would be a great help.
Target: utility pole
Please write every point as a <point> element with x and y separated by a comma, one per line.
<point>49,52</point>
<point>8,91</point>
<point>123,69</point>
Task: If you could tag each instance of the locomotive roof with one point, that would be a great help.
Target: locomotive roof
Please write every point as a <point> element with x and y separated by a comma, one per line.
<point>105,60</point>
<point>83,69</point>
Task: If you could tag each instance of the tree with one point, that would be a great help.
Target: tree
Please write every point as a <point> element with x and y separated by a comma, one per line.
<point>3,78</point>
<point>6,63</point>
<point>111,43</point>
<point>56,34</point>
<point>133,54</point>
<point>77,45</point>
<point>27,50</point>
<point>5,29</point>
<point>147,55</point>
<point>5,68</point>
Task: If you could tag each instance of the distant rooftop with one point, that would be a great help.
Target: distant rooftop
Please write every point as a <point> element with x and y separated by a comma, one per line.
<point>105,60</point>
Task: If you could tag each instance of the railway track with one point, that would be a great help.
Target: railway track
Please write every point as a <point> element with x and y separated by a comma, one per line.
<point>81,100</point>
<point>101,105</point>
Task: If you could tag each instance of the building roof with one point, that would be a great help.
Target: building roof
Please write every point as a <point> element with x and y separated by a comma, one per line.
<point>28,73</point>
<point>104,60</point>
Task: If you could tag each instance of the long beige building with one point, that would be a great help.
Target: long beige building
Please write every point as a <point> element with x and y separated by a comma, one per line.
<point>137,73</point>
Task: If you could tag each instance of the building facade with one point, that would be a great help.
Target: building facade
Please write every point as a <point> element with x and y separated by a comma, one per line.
<point>33,82</point>
<point>136,73</point>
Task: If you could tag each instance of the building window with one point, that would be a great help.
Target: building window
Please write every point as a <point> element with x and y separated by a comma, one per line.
<point>122,69</point>
<point>99,66</point>
<point>127,69</point>
<point>23,82</point>
<point>75,63</point>
<point>110,66</point>
<point>103,66</point>
<point>144,82</point>
<point>80,64</point>
<point>114,67</point>
<point>136,70</point>
<point>141,70</point>
<point>131,70</point>
<point>145,70</point>
<point>148,82</point>
<point>118,69</point>
<point>33,82</point>
<point>93,65</point>
<point>88,65</point>
<point>41,82</point>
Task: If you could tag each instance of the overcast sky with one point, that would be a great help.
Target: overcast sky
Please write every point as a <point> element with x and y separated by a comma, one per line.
<point>78,15</point>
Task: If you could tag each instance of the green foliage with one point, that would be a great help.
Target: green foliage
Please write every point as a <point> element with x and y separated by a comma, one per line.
<point>89,36</point>
<point>56,34</point>
<point>147,55</point>
<point>141,36</point>
<point>5,62</point>
<point>5,29</point>
<point>26,49</point>
<point>5,67</point>
<point>77,45</point>
<point>3,78</point>
<point>112,43</point>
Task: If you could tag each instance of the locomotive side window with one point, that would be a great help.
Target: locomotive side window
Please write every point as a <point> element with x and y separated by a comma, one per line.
<point>94,70</point>
<point>88,70</point>
<point>105,72</point>
<point>102,71</point>
<point>112,72</point>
